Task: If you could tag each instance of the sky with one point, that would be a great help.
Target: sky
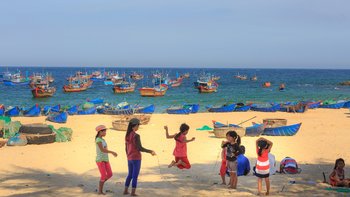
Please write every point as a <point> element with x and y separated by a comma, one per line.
<point>179,33</point>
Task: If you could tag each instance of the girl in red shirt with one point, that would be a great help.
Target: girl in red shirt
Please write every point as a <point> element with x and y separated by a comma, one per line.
<point>262,168</point>
<point>180,151</point>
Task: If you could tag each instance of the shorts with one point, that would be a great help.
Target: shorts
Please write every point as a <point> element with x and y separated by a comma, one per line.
<point>262,176</point>
<point>186,164</point>
<point>231,166</point>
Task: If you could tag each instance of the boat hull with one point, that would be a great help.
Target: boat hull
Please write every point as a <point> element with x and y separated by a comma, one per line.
<point>40,93</point>
<point>282,131</point>
<point>151,92</point>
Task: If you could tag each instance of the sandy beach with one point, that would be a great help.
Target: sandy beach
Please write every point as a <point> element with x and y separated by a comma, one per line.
<point>69,169</point>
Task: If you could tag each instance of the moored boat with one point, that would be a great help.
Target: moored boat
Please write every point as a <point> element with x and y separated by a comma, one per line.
<point>145,110</point>
<point>124,87</point>
<point>178,110</point>
<point>289,130</point>
<point>43,92</point>
<point>58,117</point>
<point>273,108</point>
<point>333,106</point>
<point>12,111</point>
<point>255,130</point>
<point>153,92</point>
<point>193,107</point>
<point>224,108</point>
<point>33,111</point>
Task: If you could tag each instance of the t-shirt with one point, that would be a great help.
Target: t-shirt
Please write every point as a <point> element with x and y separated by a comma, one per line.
<point>181,147</point>
<point>262,164</point>
<point>232,150</point>
<point>272,162</point>
<point>243,165</point>
<point>101,156</point>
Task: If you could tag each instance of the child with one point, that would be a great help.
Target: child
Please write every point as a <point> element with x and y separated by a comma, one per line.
<point>223,168</point>
<point>337,177</point>
<point>133,148</point>
<point>262,168</point>
<point>102,160</point>
<point>180,151</point>
<point>232,151</point>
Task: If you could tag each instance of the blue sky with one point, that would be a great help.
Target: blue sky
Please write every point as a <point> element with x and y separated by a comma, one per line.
<point>200,33</point>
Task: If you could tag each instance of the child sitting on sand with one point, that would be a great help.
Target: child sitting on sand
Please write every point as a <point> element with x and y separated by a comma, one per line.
<point>232,151</point>
<point>102,160</point>
<point>262,168</point>
<point>337,177</point>
<point>180,151</point>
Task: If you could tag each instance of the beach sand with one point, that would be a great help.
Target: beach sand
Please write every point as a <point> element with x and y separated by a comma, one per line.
<point>69,169</point>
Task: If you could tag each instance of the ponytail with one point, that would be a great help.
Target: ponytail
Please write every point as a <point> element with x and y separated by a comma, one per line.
<point>97,135</point>
<point>260,151</point>
<point>183,128</point>
<point>262,144</point>
<point>129,130</point>
<point>238,140</point>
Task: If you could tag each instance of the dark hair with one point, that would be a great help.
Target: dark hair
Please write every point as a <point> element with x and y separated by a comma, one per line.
<point>183,128</point>
<point>98,133</point>
<point>337,161</point>
<point>242,149</point>
<point>235,136</point>
<point>129,130</point>
<point>262,144</point>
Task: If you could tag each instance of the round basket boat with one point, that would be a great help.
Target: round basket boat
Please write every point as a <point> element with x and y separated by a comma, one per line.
<point>221,132</point>
<point>40,138</point>
<point>144,119</point>
<point>275,122</point>
<point>120,125</point>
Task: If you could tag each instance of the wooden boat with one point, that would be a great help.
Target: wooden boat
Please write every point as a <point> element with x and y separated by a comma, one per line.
<point>153,92</point>
<point>254,78</point>
<point>33,111</point>
<point>273,108</point>
<point>176,83</point>
<point>186,75</point>
<point>91,110</point>
<point>120,125</point>
<point>145,110</point>
<point>242,108</point>
<point>144,119</point>
<point>116,111</point>
<point>312,105</point>
<point>217,124</point>
<point>275,122</point>
<point>136,76</point>
<point>14,111</point>
<point>58,118</point>
<point>193,107</point>
<point>222,131</point>
<point>296,108</point>
<point>207,89</point>
<point>124,88</point>
<point>241,77</point>
<point>43,92</point>
<point>224,108</point>
<point>346,104</point>
<point>16,79</point>
<point>282,131</point>
<point>333,106</point>
<point>255,130</point>
<point>178,110</point>
<point>215,78</point>
<point>77,85</point>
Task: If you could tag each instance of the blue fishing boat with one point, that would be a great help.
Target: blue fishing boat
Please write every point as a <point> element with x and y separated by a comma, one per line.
<point>48,109</point>
<point>194,107</point>
<point>33,111</point>
<point>346,104</point>
<point>217,124</point>
<point>73,110</point>
<point>294,107</point>
<point>273,108</point>
<point>313,105</point>
<point>224,108</point>
<point>89,111</point>
<point>178,110</point>
<point>145,110</point>
<point>116,111</point>
<point>13,111</point>
<point>333,106</point>
<point>255,130</point>
<point>58,117</point>
<point>242,108</point>
<point>282,131</point>
<point>95,101</point>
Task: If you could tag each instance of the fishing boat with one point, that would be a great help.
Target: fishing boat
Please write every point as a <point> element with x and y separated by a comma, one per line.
<point>77,85</point>
<point>203,80</point>
<point>73,110</point>
<point>255,130</point>
<point>95,101</point>
<point>208,89</point>
<point>312,105</point>
<point>289,130</point>
<point>153,92</point>
<point>117,111</point>
<point>333,105</point>
<point>124,87</point>
<point>217,124</point>
<point>5,76</point>
<point>12,111</point>
<point>294,107</point>
<point>273,108</point>
<point>97,76</point>
<point>136,76</point>
<point>145,110</point>
<point>40,92</point>
<point>224,108</point>
<point>58,117</point>
<point>254,78</point>
<point>89,111</point>
<point>178,110</point>
<point>266,84</point>
<point>186,75</point>
<point>16,79</point>
<point>49,109</point>
<point>33,111</point>
<point>193,107</point>
<point>282,87</point>
<point>176,83</point>
<point>221,132</point>
<point>242,108</point>
<point>241,77</point>
<point>346,104</point>
<point>215,78</point>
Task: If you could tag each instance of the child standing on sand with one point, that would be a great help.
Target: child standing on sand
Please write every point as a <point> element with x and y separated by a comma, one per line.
<point>262,168</point>
<point>337,177</point>
<point>102,160</point>
<point>232,151</point>
<point>133,148</point>
<point>180,151</point>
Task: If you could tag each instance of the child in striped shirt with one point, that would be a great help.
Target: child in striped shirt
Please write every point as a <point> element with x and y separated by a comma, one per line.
<point>262,168</point>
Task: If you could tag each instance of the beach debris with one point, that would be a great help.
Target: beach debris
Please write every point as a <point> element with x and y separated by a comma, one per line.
<point>205,128</point>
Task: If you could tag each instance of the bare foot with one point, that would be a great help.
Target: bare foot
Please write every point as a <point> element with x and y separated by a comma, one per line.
<point>223,183</point>
<point>171,164</point>
<point>126,193</point>
<point>267,193</point>
<point>133,195</point>
<point>230,187</point>
<point>101,193</point>
<point>259,194</point>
